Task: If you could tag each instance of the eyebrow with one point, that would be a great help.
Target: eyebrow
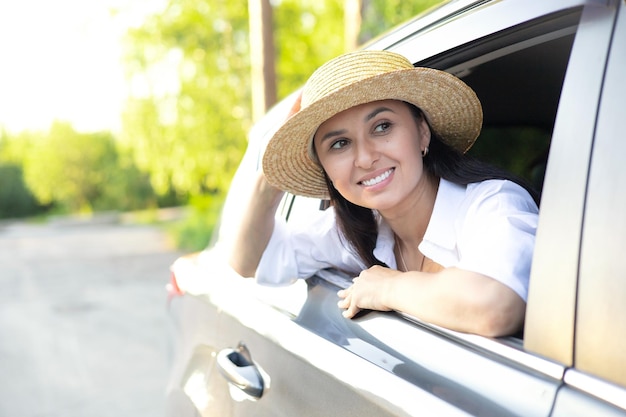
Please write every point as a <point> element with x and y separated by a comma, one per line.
<point>367,118</point>
<point>376,111</point>
<point>332,134</point>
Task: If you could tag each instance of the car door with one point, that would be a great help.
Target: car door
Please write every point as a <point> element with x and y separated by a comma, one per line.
<point>596,382</point>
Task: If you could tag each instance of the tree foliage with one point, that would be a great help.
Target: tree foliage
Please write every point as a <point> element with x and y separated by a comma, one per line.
<point>381,15</point>
<point>191,136</point>
<point>69,168</point>
<point>16,200</point>
<point>186,122</point>
<point>308,33</point>
<point>70,171</point>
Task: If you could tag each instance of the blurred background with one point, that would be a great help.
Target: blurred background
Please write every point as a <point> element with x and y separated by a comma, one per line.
<point>136,105</point>
<point>121,125</point>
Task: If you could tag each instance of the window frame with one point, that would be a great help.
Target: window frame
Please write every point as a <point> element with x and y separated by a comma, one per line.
<point>600,343</point>
<point>550,313</point>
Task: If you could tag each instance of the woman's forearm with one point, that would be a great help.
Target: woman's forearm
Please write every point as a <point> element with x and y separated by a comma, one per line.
<point>257,223</point>
<point>460,300</point>
<point>452,298</point>
<point>255,228</point>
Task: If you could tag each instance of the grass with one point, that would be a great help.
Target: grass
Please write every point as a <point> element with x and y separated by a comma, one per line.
<point>193,232</point>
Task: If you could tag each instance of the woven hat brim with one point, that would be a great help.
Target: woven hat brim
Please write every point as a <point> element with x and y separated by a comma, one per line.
<point>450,106</point>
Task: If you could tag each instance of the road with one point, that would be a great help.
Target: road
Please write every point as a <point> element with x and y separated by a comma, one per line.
<point>83,325</point>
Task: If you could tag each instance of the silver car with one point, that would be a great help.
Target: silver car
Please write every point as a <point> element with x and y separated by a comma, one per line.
<point>550,76</point>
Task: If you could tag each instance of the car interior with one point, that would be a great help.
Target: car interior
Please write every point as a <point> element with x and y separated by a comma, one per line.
<point>517,77</point>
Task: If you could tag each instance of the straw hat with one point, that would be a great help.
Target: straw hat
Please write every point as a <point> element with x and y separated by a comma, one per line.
<point>451,108</point>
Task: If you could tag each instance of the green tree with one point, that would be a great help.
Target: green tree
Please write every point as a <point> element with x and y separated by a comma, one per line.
<point>308,33</point>
<point>127,187</point>
<point>192,137</point>
<point>69,168</point>
<point>15,147</point>
<point>69,171</point>
<point>16,199</point>
<point>189,131</point>
<point>381,15</point>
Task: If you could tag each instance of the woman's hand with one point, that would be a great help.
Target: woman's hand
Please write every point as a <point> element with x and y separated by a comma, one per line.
<point>295,107</point>
<point>368,291</point>
<point>457,299</point>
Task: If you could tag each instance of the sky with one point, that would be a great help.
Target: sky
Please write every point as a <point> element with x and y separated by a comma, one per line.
<point>61,60</point>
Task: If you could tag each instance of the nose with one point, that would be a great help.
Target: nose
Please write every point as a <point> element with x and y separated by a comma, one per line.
<point>366,154</point>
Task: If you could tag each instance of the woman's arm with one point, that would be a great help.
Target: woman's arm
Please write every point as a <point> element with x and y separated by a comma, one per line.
<point>257,222</point>
<point>255,227</point>
<point>453,298</point>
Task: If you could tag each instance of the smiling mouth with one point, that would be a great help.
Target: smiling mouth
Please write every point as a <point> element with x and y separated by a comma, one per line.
<point>378,179</point>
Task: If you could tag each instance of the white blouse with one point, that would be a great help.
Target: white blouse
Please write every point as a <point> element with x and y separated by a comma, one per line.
<point>487,227</point>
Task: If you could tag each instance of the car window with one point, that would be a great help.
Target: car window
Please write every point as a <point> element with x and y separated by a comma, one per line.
<point>518,81</point>
<point>520,94</point>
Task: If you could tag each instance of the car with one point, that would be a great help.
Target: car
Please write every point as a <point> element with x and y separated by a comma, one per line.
<point>550,76</point>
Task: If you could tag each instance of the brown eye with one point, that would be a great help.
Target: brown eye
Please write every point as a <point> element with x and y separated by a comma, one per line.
<point>382,127</point>
<point>338,144</point>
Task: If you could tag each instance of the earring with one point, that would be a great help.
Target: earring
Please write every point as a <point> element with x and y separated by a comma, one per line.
<point>425,152</point>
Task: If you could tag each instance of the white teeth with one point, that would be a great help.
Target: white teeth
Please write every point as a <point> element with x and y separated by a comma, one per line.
<point>378,179</point>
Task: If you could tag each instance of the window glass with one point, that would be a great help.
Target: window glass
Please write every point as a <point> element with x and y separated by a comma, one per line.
<point>520,94</point>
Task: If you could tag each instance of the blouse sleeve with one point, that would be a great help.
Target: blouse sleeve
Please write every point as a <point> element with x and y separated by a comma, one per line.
<point>299,251</point>
<point>497,236</point>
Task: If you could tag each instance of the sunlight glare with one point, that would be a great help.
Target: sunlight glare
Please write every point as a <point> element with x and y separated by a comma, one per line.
<point>61,60</point>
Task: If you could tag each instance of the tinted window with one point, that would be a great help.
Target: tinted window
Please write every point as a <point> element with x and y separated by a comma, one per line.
<point>520,95</point>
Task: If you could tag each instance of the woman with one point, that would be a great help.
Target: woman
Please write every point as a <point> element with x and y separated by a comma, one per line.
<point>428,230</point>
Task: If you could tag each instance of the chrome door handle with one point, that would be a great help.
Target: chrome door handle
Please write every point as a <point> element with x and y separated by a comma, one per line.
<point>237,367</point>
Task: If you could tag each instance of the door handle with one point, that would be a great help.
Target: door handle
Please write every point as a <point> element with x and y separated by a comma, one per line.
<point>237,367</point>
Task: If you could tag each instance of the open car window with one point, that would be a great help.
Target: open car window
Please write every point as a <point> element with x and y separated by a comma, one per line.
<point>518,78</point>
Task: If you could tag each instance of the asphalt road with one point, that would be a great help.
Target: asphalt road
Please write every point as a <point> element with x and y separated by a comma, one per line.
<point>83,325</point>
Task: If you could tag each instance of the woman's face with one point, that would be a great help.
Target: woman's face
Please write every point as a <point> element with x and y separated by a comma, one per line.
<point>372,153</point>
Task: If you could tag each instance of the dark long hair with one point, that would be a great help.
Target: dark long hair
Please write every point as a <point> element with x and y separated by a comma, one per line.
<point>358,224</point>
